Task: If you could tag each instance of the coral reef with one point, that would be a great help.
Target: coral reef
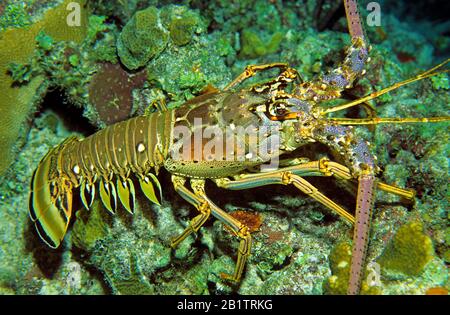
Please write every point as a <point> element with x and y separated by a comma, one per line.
<point>254,47</point>
<point>142,39</point>
<point>181,23</point>
<point>340,259</point>
<point>147,33</point>
<point>17,45</point>
<point>129,55</point>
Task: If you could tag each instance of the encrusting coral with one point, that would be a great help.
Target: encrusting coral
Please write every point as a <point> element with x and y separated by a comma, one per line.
<point>408,252</point>
<point>17,45</point>
<point>208,44</point>
<point>142,39</point>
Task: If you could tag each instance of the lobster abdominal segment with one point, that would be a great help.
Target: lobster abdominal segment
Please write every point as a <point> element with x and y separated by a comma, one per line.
<point>138,145</point>
<point>135,145</point>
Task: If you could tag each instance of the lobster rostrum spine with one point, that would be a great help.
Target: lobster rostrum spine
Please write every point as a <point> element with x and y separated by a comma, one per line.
<point>103,163</point>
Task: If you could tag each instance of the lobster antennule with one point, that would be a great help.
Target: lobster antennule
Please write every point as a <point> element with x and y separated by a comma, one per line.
<point>50,207</point>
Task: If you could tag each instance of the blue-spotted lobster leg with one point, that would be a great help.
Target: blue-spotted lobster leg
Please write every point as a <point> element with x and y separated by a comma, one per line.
<point>331,85</point>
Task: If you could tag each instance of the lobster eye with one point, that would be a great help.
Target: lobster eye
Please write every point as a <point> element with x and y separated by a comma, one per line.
<point>277,109</point>
<point>281,111</point>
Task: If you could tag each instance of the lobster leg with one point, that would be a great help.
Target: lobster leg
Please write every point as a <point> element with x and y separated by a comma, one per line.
<point>199,199</point>
<point>332,84</point>
<point>365,199</point>
<point>329,168</point>
<point>325,167</point>
<point>284,177</point>
<point>193,198</point>
<point>240,230</point>
<point>251,70</point>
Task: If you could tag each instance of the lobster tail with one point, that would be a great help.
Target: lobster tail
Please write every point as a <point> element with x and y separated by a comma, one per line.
<point>50,203</point>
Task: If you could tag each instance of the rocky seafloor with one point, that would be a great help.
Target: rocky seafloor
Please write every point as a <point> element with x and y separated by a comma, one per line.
<point>134,53</point>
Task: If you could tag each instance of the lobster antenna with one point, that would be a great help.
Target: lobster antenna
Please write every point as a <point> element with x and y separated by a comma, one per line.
<point>424,75</point>
<point>384,120</point>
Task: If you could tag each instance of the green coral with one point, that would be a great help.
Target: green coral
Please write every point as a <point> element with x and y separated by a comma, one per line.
<point>91,226</point>
<point>69,65</point>
<point>74,60</point>
<point>440,81</point>
<point>253,46</point>
<point>147,33</point>
<point>186,71</point>
<point>104,48</point>
<point>181,31</point>
<point>44,41</point>
<point>15,15</point>
<point>20,73</point>
<point>182,23</point>
<point>339,258</point>
<point>408,252</point>
<point>142,39</point>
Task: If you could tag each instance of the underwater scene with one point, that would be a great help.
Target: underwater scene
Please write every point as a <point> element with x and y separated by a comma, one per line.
<point>261,147</point>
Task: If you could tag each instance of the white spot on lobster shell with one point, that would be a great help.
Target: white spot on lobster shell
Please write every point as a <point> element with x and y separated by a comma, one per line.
<point>140,147</point>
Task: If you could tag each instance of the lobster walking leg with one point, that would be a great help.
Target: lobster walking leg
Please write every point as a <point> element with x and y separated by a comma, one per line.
<point>251,70</point>
<point>325,167</point>
<point>206,206</point>
<point>194,199</point>
<point>284,177</point>
<point>330,168</point>
<point>241,231</point>
<point>365,200</point>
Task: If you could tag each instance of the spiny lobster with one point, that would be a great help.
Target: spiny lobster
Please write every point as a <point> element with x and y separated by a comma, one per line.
<point>287,112</point>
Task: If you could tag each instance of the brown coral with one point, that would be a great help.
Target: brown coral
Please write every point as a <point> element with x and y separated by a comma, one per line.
<point>110,92</point>
<point>250,219</point>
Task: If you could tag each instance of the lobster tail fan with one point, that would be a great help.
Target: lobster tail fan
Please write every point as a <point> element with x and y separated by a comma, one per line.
<point>50,207</point>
